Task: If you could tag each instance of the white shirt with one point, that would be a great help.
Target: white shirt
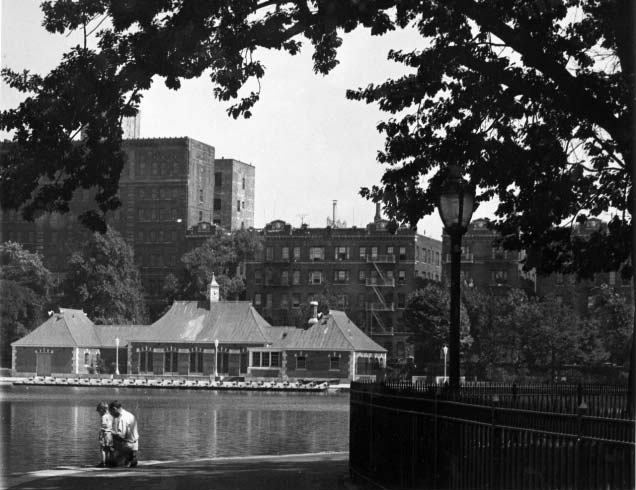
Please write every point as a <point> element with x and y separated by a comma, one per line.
<point>125,426</point>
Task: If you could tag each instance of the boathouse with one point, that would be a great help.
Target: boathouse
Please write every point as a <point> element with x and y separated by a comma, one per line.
<point>205,338</point>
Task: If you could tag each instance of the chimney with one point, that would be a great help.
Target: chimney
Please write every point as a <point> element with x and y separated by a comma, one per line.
<point>378,213</point>
<point>314,312</point>
<point>333,216</point>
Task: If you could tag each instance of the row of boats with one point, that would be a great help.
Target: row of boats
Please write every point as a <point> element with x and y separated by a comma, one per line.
<point>177,383</point>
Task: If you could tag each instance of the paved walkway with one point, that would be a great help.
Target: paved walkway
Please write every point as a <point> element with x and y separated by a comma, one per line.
<point>306,471</point>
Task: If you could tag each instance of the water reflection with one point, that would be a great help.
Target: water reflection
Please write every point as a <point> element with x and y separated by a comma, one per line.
<point>44,427</point>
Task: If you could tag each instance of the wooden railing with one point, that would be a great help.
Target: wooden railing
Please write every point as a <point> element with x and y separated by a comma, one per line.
<point>490,437</point>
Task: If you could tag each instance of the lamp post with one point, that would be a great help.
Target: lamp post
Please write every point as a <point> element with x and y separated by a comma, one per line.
<point>455,208</point>
<point>216,358</point>
<point>445,351</point>
<point>117,356</point>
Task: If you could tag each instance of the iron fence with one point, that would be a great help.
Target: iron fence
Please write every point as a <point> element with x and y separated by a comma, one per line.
<point>482,437</point>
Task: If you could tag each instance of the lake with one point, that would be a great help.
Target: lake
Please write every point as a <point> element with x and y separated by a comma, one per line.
<point>45,427</point>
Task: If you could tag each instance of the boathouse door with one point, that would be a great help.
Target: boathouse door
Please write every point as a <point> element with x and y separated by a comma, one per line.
<point>234,364</point>
<point>43,362</point>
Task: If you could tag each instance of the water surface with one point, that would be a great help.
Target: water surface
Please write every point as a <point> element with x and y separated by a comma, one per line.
<point>45,427</point>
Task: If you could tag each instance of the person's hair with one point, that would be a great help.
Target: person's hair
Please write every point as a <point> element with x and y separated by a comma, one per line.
<point>114,404</point>
<point>102,407</point>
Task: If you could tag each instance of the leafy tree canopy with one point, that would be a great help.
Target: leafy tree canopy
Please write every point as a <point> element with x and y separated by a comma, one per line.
<point>534,100</point>
<point>25,295</point>
<point>222,255</point>
<point>103,280</point>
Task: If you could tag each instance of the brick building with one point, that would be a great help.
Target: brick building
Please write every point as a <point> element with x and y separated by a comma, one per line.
<point>486,266</point>
<point>168,187</point>
<point>367,272</point>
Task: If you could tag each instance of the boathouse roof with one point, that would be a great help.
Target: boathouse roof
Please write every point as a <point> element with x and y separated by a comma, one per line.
<point>192,321</point>
<point>334,331</point>
<point>68,328</point>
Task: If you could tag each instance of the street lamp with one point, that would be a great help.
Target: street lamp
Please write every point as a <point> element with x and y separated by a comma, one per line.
<point>117,356</point>
<point>455,208</point>
<point>445,351</point>
<point>216,358</point>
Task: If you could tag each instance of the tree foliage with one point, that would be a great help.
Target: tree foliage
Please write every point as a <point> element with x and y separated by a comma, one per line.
<point>25,295</point>
<point>103,280</point>
<point>222,255</point>
<point>426,316</point>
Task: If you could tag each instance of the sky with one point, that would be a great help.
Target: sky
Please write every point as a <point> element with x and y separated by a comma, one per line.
<point>308,143</point>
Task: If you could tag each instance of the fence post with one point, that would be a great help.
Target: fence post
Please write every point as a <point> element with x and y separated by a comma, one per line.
<point>435,441</point>
<point>580,412</point>
<point>495,446</point>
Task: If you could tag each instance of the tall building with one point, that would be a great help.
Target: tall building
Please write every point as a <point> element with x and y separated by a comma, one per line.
<point>368,272</point>
<point>168,189</point>
<point>484,264</point>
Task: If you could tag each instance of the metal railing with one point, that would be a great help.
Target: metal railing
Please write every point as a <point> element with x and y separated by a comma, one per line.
<point>490,437</point>
<point>379,281</point>
<point>387,259</point>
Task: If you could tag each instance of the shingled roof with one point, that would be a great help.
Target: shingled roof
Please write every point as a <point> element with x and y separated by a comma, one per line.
<point>334,331</point>
<point>192,321</point>
<point>68,328</point>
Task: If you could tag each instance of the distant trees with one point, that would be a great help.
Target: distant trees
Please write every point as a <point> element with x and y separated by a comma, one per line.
<point>222,255</point>
<point>426,317</point>
<point>508,334</point>
<point>25,295</point>
<point>103,280</point>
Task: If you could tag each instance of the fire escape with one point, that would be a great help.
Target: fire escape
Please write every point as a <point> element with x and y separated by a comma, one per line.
<point>380,281</point>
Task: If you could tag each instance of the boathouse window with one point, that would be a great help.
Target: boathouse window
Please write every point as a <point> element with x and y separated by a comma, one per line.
<point>334,362</point>
<point>145,361</point>
<point>265,359</point>
<point>196,362</point>
<point>301,362</point>
<point>171,362</point>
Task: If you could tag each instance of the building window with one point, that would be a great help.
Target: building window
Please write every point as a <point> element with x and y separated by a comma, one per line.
<point>295,300</point>
<point>401,300</point>
<point>284,253</point>
<point>342,253</point>
<point>171,361</point>
<point>238,206</point>
<point>341,276</point>
<point>301,362</point>
<point>284,278</point>
<point>316,253</point>
<point>265,359</point>
<point>200,216</point>
<point>296,253</point>
<point>243,183</point>
<point>196,361</point>
<point>315,277</point>
<point>218,179</point>
<point>334,362</point>
<point>362,275</point>
<point>145,361</point>
<point>374,253</point>
<point>269,253</point>
<point>243,205</point>
<point>200,195</point>
<point>257,299</point>
<point>363,253</point>
<point>86,358</point>
<point>343,301</point>
<point>296,278</point>
<point>268,300</point>
<point>389,251</point>
<point>401,277</point>
<point>284,301</point>
<point>402,253</point>
<point>217,204</point>
<point>258,276</point>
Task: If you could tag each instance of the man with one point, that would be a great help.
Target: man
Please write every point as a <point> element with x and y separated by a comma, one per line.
<point>125,434</point>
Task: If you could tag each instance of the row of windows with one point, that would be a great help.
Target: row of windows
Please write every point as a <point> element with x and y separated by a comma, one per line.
<point>157,236</point>
<point>340,276</point>
<point>427,255</point>
<point>339,253</point>
<point>154,214</point>
<point>155,168</point>
<point>155,193</point>
<point>342,301</point>
<point>218,180</point>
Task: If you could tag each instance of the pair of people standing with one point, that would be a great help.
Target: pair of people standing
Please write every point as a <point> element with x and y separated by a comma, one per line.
<point>118,435</point>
